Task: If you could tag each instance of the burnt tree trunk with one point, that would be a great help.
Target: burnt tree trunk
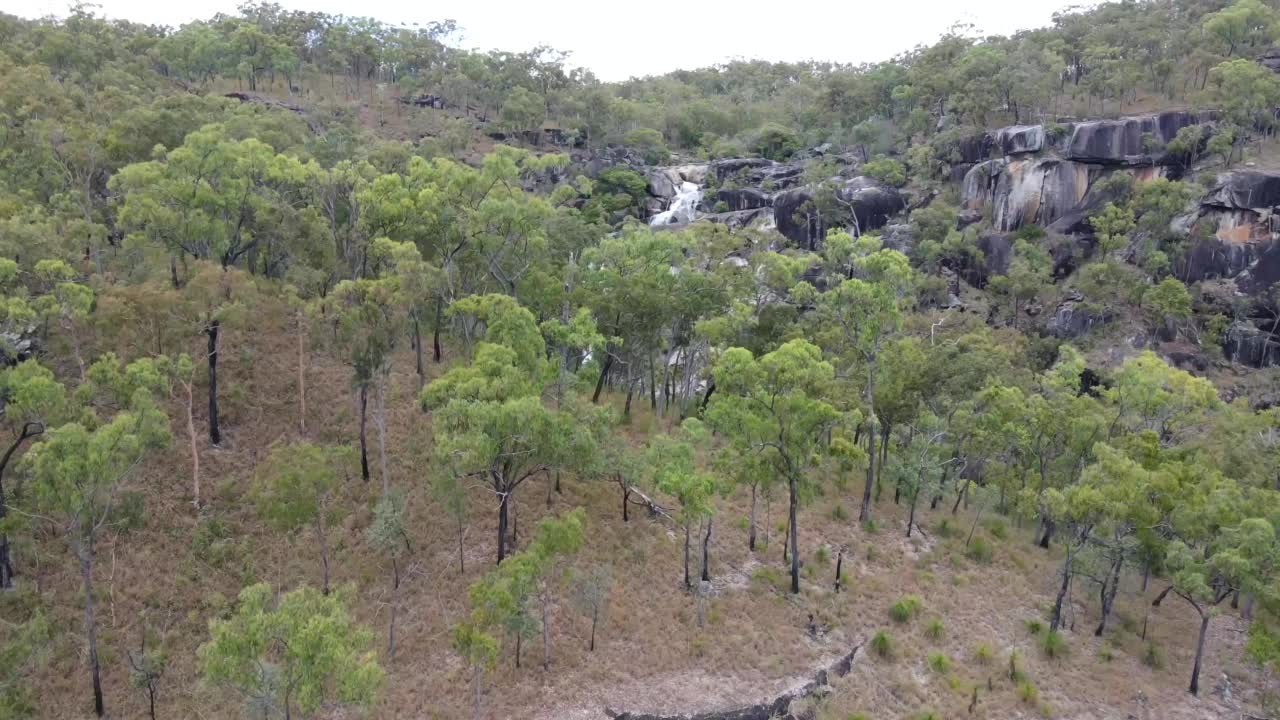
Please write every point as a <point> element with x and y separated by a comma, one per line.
<point>706,553</point>
<point>211,330</point>
<point>364,421</point>
<point>29,431</point>
<point>795,536</point>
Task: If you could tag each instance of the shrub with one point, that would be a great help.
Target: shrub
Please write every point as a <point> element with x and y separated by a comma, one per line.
<point>1035,627</point>
<point>869,525</point>
<point>979,550</point>
<point>1153,656</point>
<point>1053,645</point>
<point>946,529</point>
<point>886,170</point>
<point>929,715</point>
<point>822,555</point>
<point>776,142</point>
<point>934,629</point>
<point>905,608</point>
<point>882,644</point>
<point>767,575</point>
<point>857,716</point>
<point>983,654</point>
<point>939,662</point>
<point>996,526</point>
<point>1027,692</point>
<point>1015,672</point>
<point>838,513</point>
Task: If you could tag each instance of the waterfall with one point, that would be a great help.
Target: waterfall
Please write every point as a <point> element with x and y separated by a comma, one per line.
<point>683,207</point>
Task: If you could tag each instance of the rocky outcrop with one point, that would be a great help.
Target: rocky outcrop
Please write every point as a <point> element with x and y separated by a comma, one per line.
<point>737,219</point>
<point>1020,139</point>
<point>1129,140</point>
<point>1247,345</point>
<point>1244,190</point>
<point>662,184</point>
<point>861,202</point>
<point>741,199</point>
<point>778,708</point>
<point>1019,192</point>
<point>1073,318</point>
<point>726,168</point>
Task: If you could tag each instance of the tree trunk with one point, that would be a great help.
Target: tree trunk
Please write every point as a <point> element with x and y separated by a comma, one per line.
<point>195,449</point>
<point>1195,668</point>
<point>302,374</point>
<point>595,617</point>
<point>706,553</point>
<point>688,585</point>
<point>1055,620</point>
<point>911,516</point>
<point>546,632</point>
<point>795,536</point>
<point>604,373</point>
<point>751,532</point>
<point>626,495</point>
<point>395,601</point>
<point>502,526</point>
<point>435,334</point>
<point>215,435</point>
<point>417,350</point>
<point>839,569</point>
<point>380,420</point>
<point>29,430</point>
<point>324,549</point>
<point>865,513</point>
<point>1108,594</point>
<point>85,551</point>
<point>475,681</point>
<point>363,399</point>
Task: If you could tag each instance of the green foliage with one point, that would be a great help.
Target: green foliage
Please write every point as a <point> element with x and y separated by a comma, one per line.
<point>886,170</point>
<point>882,644</point>
<point>300,650</point>
<point>776,142</point>
<point>939,663</point>
<point>905,608</point>
<point>1034,626</point>
<point>1053,645</point>
<point>983,654</point>
<point>979,550</point>
<point>1028,692</point>
<point>935,629</point>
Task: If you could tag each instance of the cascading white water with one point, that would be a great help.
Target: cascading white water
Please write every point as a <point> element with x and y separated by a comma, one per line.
<point>683,208</point>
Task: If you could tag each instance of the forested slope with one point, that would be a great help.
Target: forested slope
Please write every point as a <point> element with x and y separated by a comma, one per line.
<point>351,373</point>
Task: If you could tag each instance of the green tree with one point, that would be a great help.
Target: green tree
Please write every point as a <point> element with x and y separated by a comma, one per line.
<point>775,406</point>
<point>293,653</point>
<point>299,485</point>
<point>77,471</point>
<point>388,534</point>
<point>673,461</point>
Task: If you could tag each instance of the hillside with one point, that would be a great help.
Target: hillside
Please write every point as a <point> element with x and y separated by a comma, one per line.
<point>350,373</point>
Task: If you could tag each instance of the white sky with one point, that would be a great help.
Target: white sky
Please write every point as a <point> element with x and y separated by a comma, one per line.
<point>621,39</point>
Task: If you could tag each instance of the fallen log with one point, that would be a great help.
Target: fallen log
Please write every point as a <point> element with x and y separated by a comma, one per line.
<point>779,708</point>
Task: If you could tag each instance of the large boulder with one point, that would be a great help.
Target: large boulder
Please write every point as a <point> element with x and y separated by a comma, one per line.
<point>1027,191</point>
<point>1125,141</point>
<point>1247,345</point>
<point>661,184</point>
<point>1245,189</point>
<point>1020,139</point>
<point>863,203</point>
<point>1073,318</point>
<point>974,149</point>
<point>741,198</point>
<point>1263,273</point>
<point>725,168</point>
<point>742,218</point>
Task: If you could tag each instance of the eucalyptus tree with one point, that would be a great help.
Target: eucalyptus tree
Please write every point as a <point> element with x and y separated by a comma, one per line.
<point>776,406</point>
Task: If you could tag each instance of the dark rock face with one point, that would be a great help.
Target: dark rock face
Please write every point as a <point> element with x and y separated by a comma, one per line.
<point>1263,273</point>
<point>1121,141</point>
<point>1019,139</point>
<point>728,167</point>
<point>1027,191</point>
<point>742,198</point>
<point>862,201</point>
<point>1248,345</point>
<point>1245,189</point>
<point>975,148</point>
<point>1072,319</point>
<point>741,218</point>
<point>899,236</point>
<point>1212,259</point>
<point>1270,59</point>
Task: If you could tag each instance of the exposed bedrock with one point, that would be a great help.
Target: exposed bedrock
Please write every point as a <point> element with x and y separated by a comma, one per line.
<point>862,202</point>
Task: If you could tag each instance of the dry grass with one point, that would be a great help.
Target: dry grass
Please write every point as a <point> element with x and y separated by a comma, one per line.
<point>651,654</point>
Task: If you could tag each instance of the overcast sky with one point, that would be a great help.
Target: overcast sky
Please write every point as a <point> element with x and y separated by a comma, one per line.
<point>621,39</point>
